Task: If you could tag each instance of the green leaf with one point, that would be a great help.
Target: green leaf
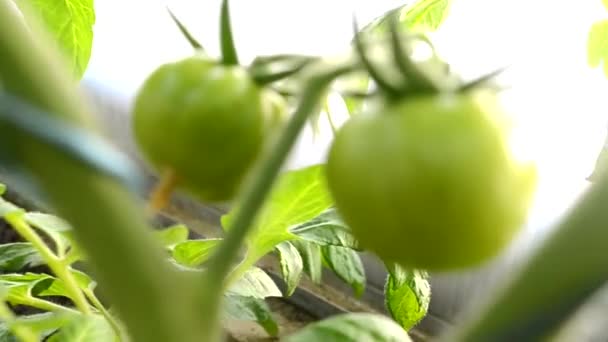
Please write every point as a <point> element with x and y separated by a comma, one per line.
<point>193,253</point>
<point>2,189</point>
<point>70,22</point>
<point>407,296</point>
<point>16,256</point>
<point>23,287</point>
<point>251,309</point>
<point>85,329</point>
<point>326,229</point>
<point>425,15</point>
<point>56,228</point>
<point>255,283</point>
<point>597,45</point>
<point>347,265</point>
<point>291,266</point>
<point>352,327</point>
<point>43,324</point>
<point>297,197</point>
<point>173,235</point>
<point>421,15</point>
<point>311,258</point>
<point>57,287</point>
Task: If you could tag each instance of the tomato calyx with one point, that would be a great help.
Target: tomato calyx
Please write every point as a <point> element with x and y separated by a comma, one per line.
<point>414,78</point>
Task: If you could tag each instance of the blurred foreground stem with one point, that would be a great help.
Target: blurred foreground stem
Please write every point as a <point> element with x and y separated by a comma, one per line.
<point>151,297</point>
<point>218,274</point>
<point>559,277</point>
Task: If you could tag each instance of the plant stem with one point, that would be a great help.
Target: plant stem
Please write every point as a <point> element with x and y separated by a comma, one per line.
<point>161,194</point>
<point>15,219</point>
<point>559,277</point>
<point>152,298</point>
<point>22,333</point>
<point>97,304</point>
<point>256,190</point>
<point>46,305</point>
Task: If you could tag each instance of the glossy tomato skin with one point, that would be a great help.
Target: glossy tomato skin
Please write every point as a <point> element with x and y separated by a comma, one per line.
<point>430,182</point>
<point>205,121</point>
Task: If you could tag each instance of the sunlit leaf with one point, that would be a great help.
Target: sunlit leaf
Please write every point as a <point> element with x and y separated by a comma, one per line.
<point>597,45</point>
<point>173,235</point>
<point>407,296</point>
<point>193,253</point>
<point>420,15</point>
<point>70,22</point>
<point>426,15</point>
<point>291,266</point>
<point>297,197</point>
<point>352,327</point>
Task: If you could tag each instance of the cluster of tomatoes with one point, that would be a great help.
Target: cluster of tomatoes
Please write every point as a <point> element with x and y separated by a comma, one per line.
<point>426,180</point>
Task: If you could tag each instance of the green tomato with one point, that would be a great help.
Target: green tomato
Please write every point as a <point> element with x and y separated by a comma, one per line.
<point>204,122</point>
<point>431,182</point>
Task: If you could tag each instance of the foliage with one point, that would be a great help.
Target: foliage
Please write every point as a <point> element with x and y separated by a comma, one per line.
<point>70,22</point>
<point>350,328</point>
<point>408,294</point>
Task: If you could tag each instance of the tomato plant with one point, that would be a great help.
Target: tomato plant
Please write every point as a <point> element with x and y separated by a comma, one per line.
<point>423,177</point>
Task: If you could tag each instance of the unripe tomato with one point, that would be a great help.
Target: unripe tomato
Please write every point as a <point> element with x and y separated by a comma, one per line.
<point>431,182</point>
<point>205,122</point>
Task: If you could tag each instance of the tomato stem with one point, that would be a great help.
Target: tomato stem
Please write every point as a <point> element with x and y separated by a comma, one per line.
<point>404,62</point>
<point>161,194</point>
<point>229,55</point>
<point>262,76</point>
<point>373,72</point>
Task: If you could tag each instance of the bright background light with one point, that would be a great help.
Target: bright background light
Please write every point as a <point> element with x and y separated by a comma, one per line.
<point>559,101</point>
